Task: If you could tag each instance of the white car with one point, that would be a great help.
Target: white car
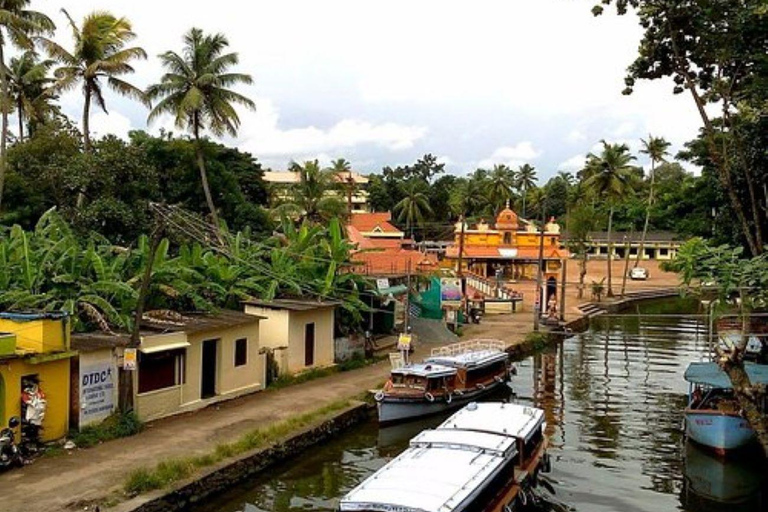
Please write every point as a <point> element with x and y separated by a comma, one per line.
<point>639,274</point>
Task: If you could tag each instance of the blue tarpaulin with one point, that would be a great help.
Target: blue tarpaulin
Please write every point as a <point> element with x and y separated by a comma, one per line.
<point>710,374</point>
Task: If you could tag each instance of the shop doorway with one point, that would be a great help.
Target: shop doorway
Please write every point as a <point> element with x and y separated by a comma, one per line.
<point>208,377</point>
<point>551,289</point>
<point>309,344</point>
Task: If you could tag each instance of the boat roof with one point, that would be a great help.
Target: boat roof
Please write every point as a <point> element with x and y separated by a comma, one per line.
<point>423,479</point>
<point>442,468</point>
<point>710,374</point>
<point>429,370</point>
<point>466,440</point>
<point>515,420</point>
<point>469,359</point>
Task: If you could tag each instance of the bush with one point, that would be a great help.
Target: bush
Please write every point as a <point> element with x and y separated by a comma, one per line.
<point>116,426</point>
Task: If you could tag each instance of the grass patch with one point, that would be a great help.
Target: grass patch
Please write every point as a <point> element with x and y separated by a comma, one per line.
<point>354,363</point>
<point>170,471</point>
<point>116,426</point>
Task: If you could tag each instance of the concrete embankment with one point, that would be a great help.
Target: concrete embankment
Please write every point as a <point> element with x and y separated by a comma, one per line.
<point>232,472</point>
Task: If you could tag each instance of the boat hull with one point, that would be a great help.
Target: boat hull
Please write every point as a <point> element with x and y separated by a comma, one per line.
<point>718,431</point>
<point>392,410</point>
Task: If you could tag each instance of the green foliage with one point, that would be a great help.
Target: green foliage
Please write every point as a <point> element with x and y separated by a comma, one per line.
<point>116,426</point>
<point>170,471</point>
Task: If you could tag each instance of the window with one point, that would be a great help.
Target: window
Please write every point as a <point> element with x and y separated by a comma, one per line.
<point>507,238</point>
<point>241,352</point>
<point>161,370</point>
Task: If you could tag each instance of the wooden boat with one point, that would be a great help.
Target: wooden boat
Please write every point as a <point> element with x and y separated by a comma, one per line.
<point>451,377</point>
<point>484,458</point>
<point>713,417</point>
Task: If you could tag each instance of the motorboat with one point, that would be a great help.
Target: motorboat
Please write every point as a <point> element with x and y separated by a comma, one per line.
<point>485,458</point>
<point>453,376</point>
<point>713,417</point>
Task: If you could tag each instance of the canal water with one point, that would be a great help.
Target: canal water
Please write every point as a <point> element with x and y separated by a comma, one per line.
<point>613,398</point>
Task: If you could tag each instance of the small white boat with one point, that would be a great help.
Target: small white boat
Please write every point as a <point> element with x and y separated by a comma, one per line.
<point>713,417</point>
<point>484,458</point>
<point>451,377</point>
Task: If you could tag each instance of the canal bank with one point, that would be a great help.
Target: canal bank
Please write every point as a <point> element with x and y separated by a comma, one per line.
<point>96,476</point>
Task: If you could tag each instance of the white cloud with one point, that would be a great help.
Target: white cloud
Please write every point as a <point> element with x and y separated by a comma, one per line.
<point>513,156</point>
<point>573,164</point>
<point>575,137</point>
<point>114,123</point>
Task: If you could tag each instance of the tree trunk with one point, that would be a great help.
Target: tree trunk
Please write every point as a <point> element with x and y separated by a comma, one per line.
<point>582,274</point>
<point>627,246</point>
<point>647,215</point>
<point>610,254</point>
<point>87,120</point>
<point>747,398</point>
<point>21,120</point>
<point>4,123</point>
<point>204,179</point>
<point>525,193</point>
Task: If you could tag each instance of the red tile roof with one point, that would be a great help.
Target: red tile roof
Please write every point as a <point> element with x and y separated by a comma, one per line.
<point>367,222</point>
<point>393,262</point>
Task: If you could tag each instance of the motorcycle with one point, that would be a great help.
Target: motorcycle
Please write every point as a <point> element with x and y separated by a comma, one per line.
<point>10,454</point>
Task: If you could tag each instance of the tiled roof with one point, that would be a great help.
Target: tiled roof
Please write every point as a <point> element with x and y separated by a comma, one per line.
<point>367,222</point>
<point>292,304</point>
<point>393,262</point>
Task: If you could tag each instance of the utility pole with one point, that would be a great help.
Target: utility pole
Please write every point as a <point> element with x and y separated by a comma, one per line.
<point>562,290</point>
<point>538,304</point>
<point>407,321</point>
<point>461,250</point>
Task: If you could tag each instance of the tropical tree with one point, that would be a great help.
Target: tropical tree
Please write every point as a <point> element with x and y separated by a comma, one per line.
<point>18,25</point>
<point>30,89</point>
<point>100,54</point>
<point>526,178</point>
<point>609,175</point>
<point>468,198</point>
<point>567,178</point>
<point>501,184</point>
<point>313,197</point>
<point>581,222</point>
<point>195,91</point>
<point>656,149</point>
<point>343,170</point>
<point>412,208</point>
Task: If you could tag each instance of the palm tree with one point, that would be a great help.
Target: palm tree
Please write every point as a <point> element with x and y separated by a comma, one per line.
<point>195,91</point>
<point>312,197</point>
<point>609,176</point>
<point>566,177</point>
<point>18,25</point>
<point>29,88</point>
<point>656,149</point>
<point>413,206</point>
<point>526,178</point>
<point>100,53</point>
<point>343,170</point>
<point>501,182</point>
<point>467,198</point>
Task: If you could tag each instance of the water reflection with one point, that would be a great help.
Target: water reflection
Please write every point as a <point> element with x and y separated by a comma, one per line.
<point>613,399</point>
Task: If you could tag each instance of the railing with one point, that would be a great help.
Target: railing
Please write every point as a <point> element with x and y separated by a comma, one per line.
<point>463,347</point>
<point>490,287</point>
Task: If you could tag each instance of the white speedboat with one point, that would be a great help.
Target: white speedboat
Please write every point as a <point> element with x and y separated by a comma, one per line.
<point>451,377</point>
<point>484,458</point>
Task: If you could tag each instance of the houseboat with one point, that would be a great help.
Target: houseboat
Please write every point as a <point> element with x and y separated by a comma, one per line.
<point>451,377</point>
<point>485,458</point>
<point>713,417</point>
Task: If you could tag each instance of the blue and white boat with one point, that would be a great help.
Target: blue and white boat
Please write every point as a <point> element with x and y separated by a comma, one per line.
<point>713,417</point>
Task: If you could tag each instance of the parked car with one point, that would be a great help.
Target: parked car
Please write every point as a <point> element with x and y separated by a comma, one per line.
<point>639,274</point>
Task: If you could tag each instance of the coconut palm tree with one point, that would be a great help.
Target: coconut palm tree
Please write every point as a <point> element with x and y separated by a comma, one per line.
<point>501,184</point>
<point>526,178</point>
<point>566,177</point>
<point>195,90</point>
<point>413,206</point>
<point>657,149</point>
<point>18,25</point>
<point>342,168</point>
<point>312,197</point>
<point>30,89</point>
<point>609,176</point>
<point>100,54</point>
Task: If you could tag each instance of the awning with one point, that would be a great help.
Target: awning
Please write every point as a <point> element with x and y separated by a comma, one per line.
<point>162,348</point>
<point>399,289</point>
<point>710,374</point>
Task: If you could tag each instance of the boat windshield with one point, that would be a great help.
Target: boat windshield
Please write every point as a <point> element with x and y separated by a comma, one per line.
<point>409,381</point>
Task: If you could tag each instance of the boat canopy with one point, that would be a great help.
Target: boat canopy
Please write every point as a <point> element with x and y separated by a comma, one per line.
<point>466,440</point>
<point>710,374</point>
<point>515,420</point>
<point>469,354</point>
<point>428,370</point>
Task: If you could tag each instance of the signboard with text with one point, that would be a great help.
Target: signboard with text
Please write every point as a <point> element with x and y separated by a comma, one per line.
<point>129,359</point>
<point>450,291</point>
<point>97,392</point>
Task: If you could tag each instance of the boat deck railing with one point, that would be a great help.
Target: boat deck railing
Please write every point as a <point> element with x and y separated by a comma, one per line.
<point>464,347</point>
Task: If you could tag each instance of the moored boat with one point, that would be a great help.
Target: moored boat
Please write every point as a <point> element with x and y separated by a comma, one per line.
<point>484,458</point>
<point>451,377</point>
<point>713,417</point>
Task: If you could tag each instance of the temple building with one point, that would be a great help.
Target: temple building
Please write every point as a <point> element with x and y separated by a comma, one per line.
<point>509,250</point>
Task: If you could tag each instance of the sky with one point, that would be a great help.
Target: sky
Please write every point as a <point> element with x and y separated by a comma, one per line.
<point>382,83</point>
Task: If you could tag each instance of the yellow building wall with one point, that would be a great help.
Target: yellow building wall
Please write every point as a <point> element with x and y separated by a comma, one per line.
<point>39,336</point>
<point>324,348</point>
<point>54,382</point>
